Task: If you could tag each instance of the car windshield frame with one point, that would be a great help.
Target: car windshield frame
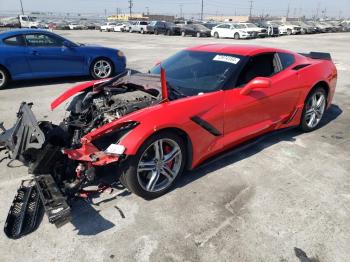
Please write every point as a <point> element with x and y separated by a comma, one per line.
<point>191,72</point>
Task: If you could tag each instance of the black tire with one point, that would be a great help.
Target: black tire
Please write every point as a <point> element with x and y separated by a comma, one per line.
<point>304,117</point>
<point>129,176</point>
<point>168,33</point>
<point>216,35</point>
<point>289,31</point>
<point>95,75</point>
<point>142,31</point>
<point>183,33</point>
<point>198,34</point>
<point>236,36</point>
<point>156,32</point>
<point>4,78</point>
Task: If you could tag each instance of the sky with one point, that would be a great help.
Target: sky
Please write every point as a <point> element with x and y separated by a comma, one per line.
<point>309,8</point>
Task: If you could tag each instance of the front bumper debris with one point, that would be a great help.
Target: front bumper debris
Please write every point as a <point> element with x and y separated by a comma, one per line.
<point>24,135</point>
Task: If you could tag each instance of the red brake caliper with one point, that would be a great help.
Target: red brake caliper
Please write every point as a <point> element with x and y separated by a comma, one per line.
<point>167,150</point>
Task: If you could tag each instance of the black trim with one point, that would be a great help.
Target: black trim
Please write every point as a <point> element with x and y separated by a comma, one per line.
<point>298,67</point>
<point>205,125</point>
<point>318,55</point>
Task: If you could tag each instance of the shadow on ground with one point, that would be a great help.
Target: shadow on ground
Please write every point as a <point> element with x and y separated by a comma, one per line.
<point>47,81</point>
<point>251,148</point>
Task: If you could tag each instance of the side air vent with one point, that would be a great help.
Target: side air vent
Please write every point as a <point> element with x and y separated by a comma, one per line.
<point>298,67</point>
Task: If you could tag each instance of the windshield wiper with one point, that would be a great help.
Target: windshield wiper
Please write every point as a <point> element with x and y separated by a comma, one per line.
<point>175,91</point>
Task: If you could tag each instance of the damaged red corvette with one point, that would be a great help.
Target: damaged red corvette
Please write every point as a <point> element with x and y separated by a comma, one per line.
<point>151,127</point>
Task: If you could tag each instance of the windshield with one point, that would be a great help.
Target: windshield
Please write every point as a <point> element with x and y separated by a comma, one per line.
<point>200,27</point>
<point>276,23</point>
<point>193,72</point>
<point>239,26</point>
<point>250,25</point>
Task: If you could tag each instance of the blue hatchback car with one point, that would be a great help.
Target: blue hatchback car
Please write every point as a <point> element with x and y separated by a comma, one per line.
<point>33,53</point>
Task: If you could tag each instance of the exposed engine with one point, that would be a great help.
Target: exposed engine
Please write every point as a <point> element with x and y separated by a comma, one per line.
<point>96,108</point>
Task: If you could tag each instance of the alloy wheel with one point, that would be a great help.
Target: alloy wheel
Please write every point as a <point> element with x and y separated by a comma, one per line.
<point>102,69</point>
<point>315,108</point>
<point>2,78</point>
<point>159,165</point>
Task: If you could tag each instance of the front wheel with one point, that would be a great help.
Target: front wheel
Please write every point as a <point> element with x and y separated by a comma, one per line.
<point>198,34</point>
<point>313,110</point>
<point>216,35</point>
<point>156,166</point>
<point>236,36</point>
<point>101,68</point>
<point>183,34</point>
<point>4,78</point>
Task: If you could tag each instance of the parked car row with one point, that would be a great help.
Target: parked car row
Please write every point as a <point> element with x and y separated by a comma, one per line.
<point>228,29</point>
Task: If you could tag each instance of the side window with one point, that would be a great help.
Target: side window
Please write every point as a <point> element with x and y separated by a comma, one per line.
<point>286,59</point>
<point>42,40</point>
<point>14,41</point>
<point>260,65</point>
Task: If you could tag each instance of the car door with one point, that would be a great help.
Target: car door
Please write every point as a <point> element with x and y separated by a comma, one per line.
<point>13,56</point>
<point>48,56</point>
<point>261,110</point>
<point>224,30</point>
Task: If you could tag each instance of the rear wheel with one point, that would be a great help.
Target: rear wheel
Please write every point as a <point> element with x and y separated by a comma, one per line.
<point>216,35</point>
<point>156,32</point>
<point>168,32</point>
<point>313,110</point>
<point>156,166</point>
<point>4,78</point>
<point>198,34</point>
<point>236,36</point>
<point>142,32</point>
<point>183,33</point>
<point>101,68</point>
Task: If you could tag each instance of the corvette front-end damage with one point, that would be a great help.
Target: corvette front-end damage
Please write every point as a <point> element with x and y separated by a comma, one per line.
<point>63,158</point>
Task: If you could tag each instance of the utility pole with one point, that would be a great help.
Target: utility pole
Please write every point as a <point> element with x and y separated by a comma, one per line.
<point>288,11</point>
<point>202,10</point>
<point>21,7</point>
<point>250,9</point>
<point>130,9</point>
<point>181,10</point>
<point>147,8</point>
<point>317,10</point>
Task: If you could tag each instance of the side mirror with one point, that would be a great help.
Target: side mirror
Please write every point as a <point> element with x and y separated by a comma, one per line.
<point>67,44</point>
<point>258,82</point>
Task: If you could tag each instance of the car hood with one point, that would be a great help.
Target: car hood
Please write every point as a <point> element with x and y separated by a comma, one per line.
<point>146,81</point>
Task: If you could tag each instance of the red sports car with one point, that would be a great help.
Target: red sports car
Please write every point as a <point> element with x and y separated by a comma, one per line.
<point>151,127</point>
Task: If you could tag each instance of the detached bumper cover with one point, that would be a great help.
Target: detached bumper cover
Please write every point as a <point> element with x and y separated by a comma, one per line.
<point>24,135</point>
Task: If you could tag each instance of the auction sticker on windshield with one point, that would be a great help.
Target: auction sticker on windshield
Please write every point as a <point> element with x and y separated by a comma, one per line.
<point>226,58</point>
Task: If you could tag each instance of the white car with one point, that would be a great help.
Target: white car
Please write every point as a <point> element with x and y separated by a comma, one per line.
<point>120,27</point>
<point>286,28</point>
<point>230,30</point>
<point>108,27</point>
<point>75,26</point>
<point>257,31</point>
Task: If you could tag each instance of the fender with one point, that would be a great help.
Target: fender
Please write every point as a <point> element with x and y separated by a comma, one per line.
<point>74,90</point>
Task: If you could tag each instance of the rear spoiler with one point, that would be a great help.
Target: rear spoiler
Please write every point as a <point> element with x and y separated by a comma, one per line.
<point>318,55</point>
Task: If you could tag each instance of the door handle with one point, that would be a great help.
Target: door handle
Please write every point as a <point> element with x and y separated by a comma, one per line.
<point>35,52</point>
